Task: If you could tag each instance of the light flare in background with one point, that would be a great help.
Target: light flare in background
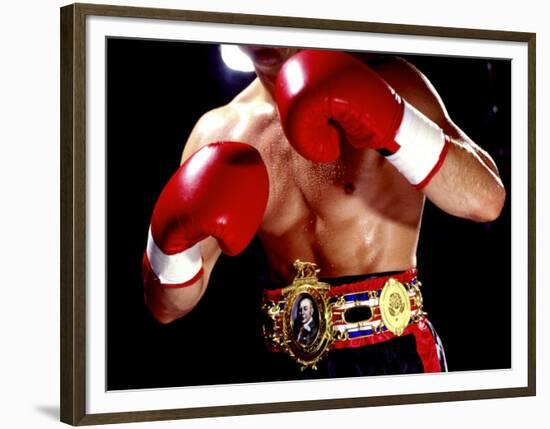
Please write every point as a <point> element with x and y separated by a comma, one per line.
<point>235,59</point>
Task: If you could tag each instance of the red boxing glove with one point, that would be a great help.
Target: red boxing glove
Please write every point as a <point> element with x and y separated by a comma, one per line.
<point>319,93</point>
<point>220,191</point>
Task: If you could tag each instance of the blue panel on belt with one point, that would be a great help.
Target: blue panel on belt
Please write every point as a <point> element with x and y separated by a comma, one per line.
<point>364,332</point>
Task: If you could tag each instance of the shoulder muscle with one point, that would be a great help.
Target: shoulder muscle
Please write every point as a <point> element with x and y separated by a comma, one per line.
<point>211,127</point>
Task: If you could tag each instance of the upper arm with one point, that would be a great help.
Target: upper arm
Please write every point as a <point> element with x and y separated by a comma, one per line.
<point>211,127</point>
<point>413,86</point>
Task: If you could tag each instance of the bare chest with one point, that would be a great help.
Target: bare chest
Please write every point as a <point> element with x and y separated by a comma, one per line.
<point>336,214</point>
<point>361,184</point>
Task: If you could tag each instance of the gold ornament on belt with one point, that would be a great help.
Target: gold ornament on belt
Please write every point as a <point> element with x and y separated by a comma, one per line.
<point>306,318</point>
<point>395,306</point>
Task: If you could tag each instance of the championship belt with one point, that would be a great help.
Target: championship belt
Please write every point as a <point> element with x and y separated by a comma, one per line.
<point>308,318</point>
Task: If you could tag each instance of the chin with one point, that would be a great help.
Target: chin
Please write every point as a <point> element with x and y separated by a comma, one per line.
<point>267,57</point>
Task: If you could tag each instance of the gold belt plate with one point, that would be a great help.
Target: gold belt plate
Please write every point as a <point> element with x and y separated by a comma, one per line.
<point>395,306</point>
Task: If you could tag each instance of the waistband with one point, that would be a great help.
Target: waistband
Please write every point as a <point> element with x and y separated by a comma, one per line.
<point>366,311</point>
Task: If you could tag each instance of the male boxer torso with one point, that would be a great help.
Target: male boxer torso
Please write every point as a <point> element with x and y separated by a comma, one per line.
<point>335,173</point>
<point>357,215</point>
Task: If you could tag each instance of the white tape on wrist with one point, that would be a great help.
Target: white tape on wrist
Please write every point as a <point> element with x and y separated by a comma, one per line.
<point>421,142</point>
<point>173,269</point>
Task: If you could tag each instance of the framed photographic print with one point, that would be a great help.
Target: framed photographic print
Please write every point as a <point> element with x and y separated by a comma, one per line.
<point>264,214</point>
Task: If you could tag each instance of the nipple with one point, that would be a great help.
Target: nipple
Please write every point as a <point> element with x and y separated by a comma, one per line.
<point>349,188</point>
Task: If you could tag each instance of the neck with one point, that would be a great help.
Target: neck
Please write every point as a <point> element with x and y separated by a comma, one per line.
<point>268,79</point>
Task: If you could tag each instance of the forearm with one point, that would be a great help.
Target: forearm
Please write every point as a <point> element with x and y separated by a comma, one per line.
<point>166,303</point>
<point>169,304</point>
<point>467,185</point>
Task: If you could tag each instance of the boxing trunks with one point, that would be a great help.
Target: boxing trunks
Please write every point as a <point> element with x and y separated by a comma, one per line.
<point>363,325</point>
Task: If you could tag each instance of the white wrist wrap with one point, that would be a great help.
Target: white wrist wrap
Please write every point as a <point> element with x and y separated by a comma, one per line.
<point>421,143</point>
<point>174,269</point>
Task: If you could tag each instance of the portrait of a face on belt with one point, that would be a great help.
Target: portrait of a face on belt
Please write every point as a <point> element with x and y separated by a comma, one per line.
<point>301,213</point>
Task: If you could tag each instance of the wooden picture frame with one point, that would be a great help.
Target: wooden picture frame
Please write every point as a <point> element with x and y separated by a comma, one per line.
<point>75,240</point>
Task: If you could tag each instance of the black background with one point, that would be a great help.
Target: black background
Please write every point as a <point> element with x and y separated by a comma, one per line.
<point>156,91</point>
